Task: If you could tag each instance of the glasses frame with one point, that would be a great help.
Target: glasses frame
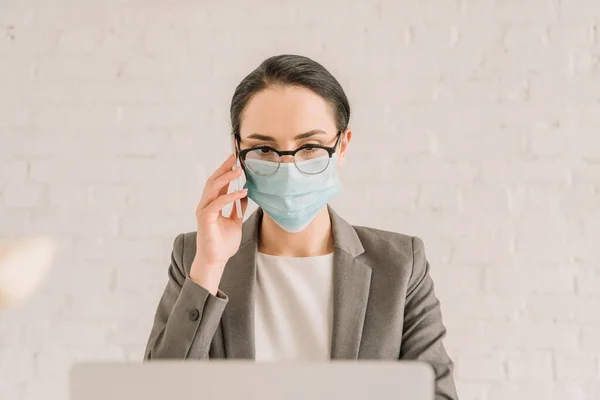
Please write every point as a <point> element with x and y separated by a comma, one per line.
<point>281,153</point>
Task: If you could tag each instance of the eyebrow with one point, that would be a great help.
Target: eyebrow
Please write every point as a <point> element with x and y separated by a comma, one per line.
<point>304,135</point>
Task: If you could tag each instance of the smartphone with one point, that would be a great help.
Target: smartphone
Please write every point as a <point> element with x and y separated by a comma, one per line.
<point>236,181</point>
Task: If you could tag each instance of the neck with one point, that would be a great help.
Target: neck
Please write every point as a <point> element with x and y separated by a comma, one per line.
<point>315,240</point>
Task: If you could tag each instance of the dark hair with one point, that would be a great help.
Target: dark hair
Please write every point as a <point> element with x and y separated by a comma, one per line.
<point>291,70</point>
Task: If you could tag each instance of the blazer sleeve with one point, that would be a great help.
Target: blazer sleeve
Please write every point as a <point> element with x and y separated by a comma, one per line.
<point>187,314</point>
<point>423,326</point>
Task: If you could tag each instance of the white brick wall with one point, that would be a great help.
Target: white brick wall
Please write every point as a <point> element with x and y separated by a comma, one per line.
<point>113,113</point>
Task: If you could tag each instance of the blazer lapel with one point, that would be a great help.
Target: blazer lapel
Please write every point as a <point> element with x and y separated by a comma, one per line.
<point>237,283</point>
<point>351,284</point>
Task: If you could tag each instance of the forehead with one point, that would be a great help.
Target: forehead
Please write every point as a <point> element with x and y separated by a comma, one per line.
<point>283,112</point>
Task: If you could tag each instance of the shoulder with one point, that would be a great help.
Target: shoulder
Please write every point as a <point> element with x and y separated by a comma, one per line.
<point>387,249</point>
<point>184,249</point>
<point>373,238</point>
<point>183,240</point>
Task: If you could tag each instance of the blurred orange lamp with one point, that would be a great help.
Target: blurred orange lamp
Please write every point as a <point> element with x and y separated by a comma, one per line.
<point>24,263</point>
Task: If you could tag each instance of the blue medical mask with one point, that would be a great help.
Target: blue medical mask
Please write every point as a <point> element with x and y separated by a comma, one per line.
<point>291,198</point>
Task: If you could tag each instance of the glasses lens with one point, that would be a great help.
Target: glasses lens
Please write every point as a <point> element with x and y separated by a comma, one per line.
<point>262,161</point>
<point>312,160</point>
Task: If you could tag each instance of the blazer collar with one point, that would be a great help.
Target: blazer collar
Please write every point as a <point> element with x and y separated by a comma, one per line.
<point>345,237</point>
<point>351,284</point>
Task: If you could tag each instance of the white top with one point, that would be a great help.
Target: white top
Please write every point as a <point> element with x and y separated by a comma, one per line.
<point>293,308</point>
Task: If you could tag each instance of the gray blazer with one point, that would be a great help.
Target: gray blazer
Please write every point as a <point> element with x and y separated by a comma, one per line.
<point>384,303</point>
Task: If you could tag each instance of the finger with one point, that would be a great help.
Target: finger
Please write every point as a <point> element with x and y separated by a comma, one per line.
<point>234,214</point>
<point>218,187</point>
<point>221,184</point>
<point>220,202</point>
<point>226,166</point>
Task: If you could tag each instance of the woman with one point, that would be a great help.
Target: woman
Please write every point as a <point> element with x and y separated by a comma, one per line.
<point>295,281</point>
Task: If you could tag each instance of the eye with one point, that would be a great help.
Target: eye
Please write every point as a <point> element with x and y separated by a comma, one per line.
<point>311,152</point>
<point>311,147</point>
<point>264,153</point>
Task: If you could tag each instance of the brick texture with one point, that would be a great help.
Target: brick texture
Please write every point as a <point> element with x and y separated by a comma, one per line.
<point>476,127</point>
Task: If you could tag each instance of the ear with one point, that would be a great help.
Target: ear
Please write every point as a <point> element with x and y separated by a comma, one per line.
<point>345,141</point>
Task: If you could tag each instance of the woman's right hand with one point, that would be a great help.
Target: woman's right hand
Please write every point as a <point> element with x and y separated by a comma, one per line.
<point>218,237</point>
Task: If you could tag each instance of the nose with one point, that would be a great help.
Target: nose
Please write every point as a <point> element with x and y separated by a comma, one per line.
<point>286,159</point>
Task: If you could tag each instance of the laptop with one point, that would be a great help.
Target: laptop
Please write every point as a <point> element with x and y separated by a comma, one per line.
<point>246,379</point>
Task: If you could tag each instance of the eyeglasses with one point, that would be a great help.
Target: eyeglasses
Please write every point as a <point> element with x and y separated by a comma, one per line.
<point>310,158</point>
